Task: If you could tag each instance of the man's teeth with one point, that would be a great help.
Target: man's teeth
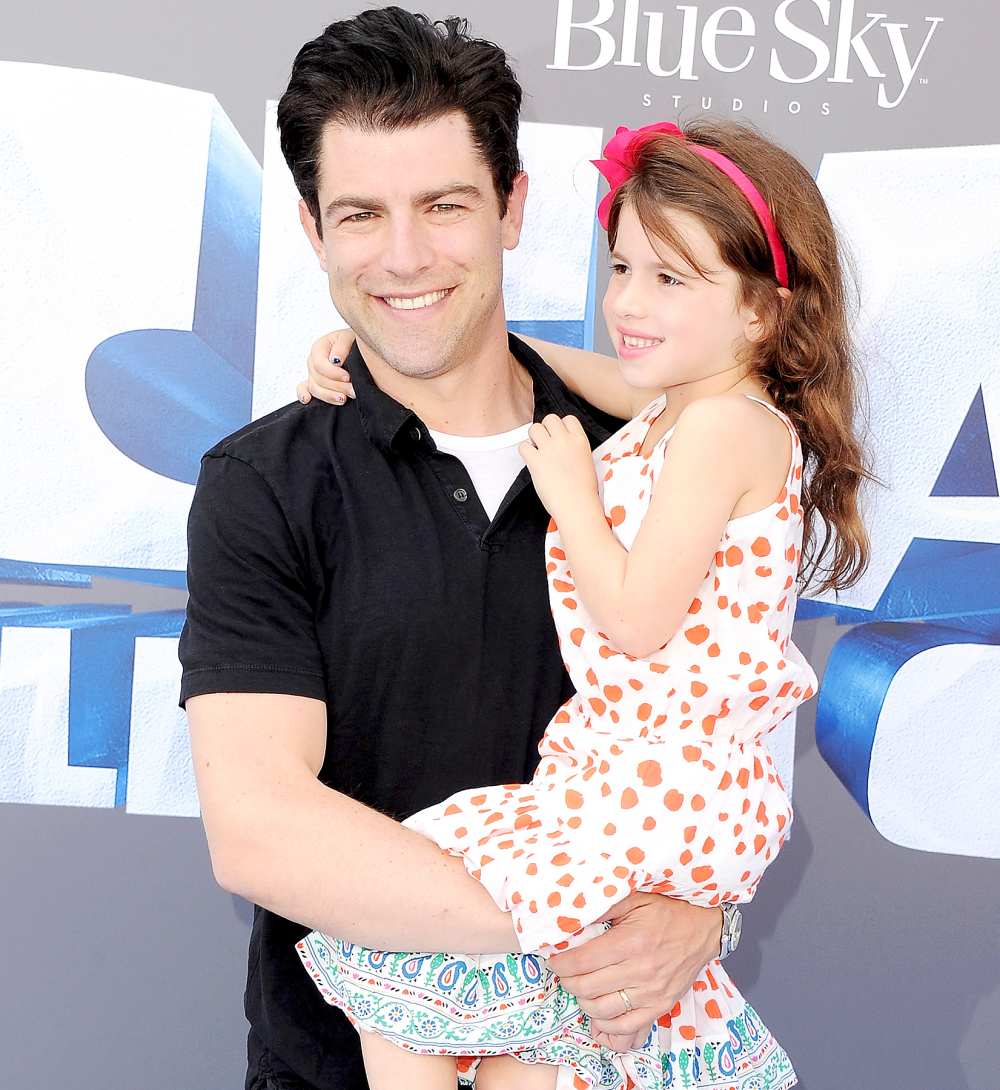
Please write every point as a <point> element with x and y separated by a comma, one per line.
<point>417,303</point>
<point>639,342</point>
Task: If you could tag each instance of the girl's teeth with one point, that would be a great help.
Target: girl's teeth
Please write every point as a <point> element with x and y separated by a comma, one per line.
<point>415,304</point>
<point>638,342</point>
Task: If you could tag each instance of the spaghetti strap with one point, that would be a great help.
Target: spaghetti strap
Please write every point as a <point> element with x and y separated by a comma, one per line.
<point>777,412</point>
<point>796,456</point>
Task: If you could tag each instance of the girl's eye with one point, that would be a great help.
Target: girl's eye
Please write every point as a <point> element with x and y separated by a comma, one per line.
<point>666,278</point>
<point>618,269</point>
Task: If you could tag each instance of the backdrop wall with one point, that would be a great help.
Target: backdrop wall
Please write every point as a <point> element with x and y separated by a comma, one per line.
<point>158,293</point>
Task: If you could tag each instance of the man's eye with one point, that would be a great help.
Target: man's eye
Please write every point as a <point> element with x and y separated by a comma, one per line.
<point>445,207</point>
<point>358,217</point>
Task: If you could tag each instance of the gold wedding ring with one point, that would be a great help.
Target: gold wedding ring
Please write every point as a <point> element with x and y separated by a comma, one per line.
<point>625,999</point>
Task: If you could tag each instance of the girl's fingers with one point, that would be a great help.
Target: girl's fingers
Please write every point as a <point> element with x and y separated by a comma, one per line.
<point>333,348</point>
<point>335,385</point>
<point>538,434</point>
<point>302,393</point>
<point>324,393</point>
<point>324,367</point>
<point>330,376</point>
<point>340,342</point>
<point>343,382</point>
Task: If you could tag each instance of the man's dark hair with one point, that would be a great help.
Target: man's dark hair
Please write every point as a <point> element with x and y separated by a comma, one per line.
<point>389,69</point>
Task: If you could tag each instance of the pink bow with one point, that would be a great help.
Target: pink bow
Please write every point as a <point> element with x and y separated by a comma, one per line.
<point>619,165</point>
<point>620,154</point>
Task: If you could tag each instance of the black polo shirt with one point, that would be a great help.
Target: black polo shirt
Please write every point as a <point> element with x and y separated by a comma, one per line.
<point>334,553</point>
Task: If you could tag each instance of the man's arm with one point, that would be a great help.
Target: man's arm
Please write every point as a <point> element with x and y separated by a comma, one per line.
<point>280,838</point>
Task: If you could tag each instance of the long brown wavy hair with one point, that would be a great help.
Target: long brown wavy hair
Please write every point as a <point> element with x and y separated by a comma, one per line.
<point>805,358</point>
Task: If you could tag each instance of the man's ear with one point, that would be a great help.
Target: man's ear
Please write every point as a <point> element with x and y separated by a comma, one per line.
<point>514,219</point>
<point>309,226</point>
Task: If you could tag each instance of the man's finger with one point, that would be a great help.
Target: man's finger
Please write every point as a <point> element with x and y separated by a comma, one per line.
<point>622,907</point>
<point>587,957</point>
<point>616,1042</point>
<point>628,1025</point>
<point>609,1006</point>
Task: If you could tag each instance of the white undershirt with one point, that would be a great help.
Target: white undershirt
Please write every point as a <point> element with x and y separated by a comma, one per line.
<point>492,461</point>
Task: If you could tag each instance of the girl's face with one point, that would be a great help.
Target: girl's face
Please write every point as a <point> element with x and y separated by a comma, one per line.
<point>669,326</point>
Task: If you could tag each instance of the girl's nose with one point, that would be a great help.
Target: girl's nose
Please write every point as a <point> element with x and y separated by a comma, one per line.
<point>628,303</point>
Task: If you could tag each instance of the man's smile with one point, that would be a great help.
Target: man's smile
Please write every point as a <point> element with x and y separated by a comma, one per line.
<point>424,302</point>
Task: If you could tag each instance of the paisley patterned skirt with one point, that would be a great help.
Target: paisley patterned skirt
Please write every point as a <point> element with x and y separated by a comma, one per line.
<point>476,1005</point>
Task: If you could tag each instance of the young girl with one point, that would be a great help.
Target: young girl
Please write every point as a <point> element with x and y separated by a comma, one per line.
<point>673,556</point>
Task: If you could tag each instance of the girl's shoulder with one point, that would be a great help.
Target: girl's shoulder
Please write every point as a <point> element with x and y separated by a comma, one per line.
<point>742,424</point>
<point>745,437</point>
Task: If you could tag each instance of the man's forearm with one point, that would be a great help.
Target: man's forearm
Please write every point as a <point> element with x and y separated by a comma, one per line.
<point>320,858</point>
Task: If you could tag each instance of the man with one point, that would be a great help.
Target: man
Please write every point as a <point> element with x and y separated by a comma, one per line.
<point>368,628</point>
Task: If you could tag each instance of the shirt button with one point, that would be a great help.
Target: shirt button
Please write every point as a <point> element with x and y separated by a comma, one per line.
<point>415,434</point>
<point>461,495</point>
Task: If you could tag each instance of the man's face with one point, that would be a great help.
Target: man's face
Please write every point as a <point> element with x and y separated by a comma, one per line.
<point>413,241</point>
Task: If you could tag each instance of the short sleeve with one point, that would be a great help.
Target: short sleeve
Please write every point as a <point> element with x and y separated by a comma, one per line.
<point>250,624</point>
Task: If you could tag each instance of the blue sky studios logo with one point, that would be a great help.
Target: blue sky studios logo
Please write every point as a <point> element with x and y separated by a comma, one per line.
<point>806,40</point>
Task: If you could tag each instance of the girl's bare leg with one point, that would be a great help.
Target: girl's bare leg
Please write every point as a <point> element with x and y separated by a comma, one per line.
<point>389,1067</point>
<point>506,1073</point>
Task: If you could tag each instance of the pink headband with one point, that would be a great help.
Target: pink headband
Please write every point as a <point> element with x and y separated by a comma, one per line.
<point>619,165</point>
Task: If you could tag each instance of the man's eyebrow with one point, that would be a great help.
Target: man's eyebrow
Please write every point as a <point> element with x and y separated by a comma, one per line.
<point>351,200</point>
<point>454,189</point>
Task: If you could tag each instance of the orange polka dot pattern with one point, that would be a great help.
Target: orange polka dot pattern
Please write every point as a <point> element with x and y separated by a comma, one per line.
<point>655,776</point>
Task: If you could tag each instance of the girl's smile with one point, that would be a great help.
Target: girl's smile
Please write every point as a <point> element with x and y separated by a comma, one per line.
<point>632,344</point>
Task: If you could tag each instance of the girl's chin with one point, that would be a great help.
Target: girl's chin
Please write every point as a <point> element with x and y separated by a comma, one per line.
<point>640,376</point>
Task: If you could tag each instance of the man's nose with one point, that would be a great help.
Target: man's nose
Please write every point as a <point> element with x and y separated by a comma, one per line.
<point>408,251</point>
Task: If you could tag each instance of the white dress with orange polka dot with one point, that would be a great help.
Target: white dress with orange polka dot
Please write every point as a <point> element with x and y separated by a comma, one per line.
<point>655,776</point>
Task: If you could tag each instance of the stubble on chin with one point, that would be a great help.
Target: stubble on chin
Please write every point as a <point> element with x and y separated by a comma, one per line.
<point>425,356</point>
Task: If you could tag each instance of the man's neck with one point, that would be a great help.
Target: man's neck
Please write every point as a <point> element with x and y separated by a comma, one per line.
<point>486,394</point>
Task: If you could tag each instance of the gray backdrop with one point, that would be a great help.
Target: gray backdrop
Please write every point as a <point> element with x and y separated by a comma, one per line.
<point>876,966</point>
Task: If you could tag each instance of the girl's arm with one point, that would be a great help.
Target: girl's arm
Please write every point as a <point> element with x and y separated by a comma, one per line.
<point>641,597</point>
<point>593,377</point>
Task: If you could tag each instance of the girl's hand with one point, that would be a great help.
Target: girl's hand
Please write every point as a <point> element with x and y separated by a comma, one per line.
<point>557,453</point>
<point>327,379</point>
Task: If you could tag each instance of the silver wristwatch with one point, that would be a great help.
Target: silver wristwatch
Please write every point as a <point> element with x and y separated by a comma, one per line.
<point>732,926</point>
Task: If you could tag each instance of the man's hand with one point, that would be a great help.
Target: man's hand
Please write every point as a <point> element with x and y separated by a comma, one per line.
<point>655,949</point>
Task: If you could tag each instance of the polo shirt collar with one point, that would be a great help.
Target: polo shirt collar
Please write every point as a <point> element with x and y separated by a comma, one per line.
<point>384,419</point>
